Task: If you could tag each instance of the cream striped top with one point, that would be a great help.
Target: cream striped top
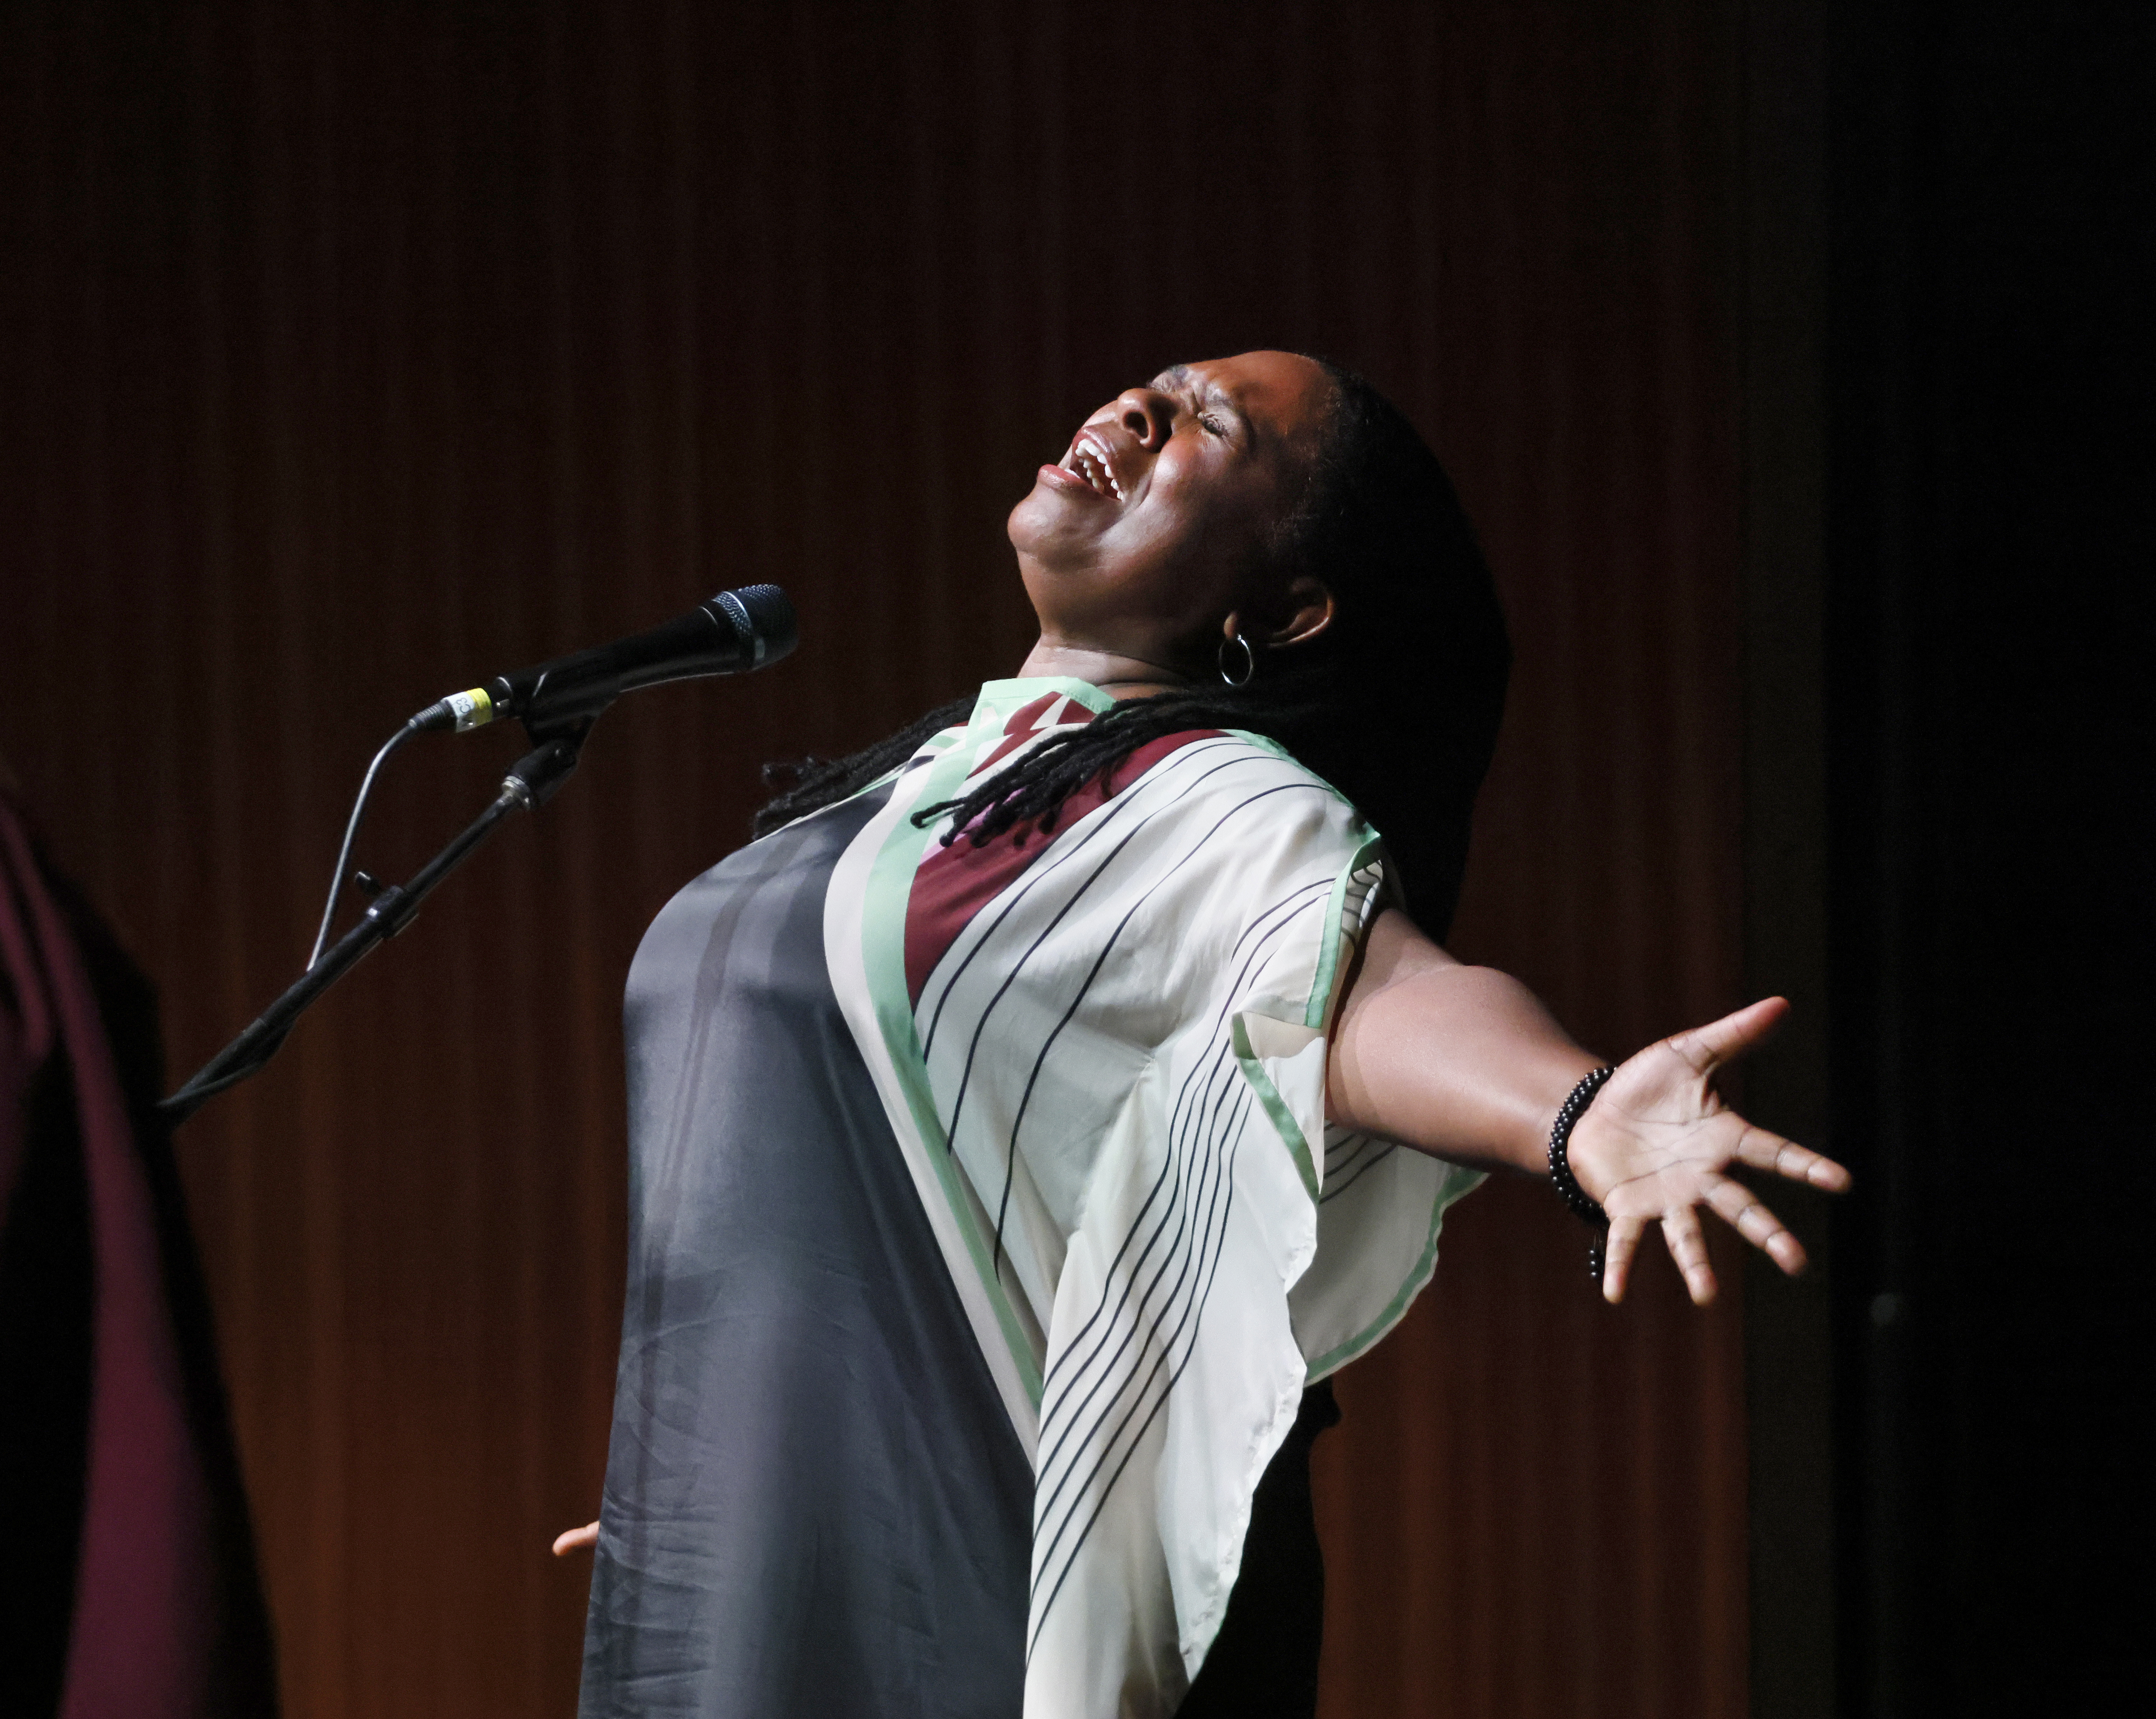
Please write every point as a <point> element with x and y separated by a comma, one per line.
<point>1102,1049</point>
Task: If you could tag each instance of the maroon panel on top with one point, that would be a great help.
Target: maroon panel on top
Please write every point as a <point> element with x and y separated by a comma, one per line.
<point>955,882</point>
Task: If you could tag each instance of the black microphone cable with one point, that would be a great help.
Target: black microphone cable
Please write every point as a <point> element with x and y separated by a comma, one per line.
<point>337,878</point>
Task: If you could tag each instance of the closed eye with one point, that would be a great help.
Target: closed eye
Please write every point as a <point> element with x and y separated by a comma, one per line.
<point>1178,380</point>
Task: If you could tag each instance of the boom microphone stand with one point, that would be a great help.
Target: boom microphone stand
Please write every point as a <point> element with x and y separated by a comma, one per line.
<point>734,632</point>
<point>531,783</point>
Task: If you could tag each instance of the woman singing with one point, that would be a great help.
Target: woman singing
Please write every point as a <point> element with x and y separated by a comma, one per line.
<point>1028,1122</point>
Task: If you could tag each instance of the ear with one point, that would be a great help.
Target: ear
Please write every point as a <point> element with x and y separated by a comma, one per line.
<point>1306,608</point>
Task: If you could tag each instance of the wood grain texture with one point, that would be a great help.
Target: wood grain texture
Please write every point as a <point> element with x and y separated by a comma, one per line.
<point>352,354</point>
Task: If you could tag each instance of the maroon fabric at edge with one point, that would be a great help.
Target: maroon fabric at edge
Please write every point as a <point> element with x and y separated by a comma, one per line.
<point>153,1635</point>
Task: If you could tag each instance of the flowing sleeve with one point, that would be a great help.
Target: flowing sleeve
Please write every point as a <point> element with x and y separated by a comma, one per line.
<point>1320,1237</point>
<point>1107,1059</point>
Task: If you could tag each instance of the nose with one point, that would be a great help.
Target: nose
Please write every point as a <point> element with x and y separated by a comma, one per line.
<point>1148,413</point>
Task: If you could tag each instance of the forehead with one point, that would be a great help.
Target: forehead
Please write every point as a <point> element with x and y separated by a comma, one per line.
<point>1284,393</point>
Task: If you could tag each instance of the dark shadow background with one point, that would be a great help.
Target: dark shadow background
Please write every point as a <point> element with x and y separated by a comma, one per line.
<point>1785,355</point>
<point>1990,553</point>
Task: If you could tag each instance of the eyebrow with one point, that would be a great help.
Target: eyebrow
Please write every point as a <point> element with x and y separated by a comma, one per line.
<point>1178,376</point>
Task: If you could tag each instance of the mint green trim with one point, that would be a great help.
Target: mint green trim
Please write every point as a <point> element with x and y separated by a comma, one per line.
<point>1319,1002</point>
<point>1266,743</point>
<point>1456,1186</point>
<point>1283,1119</point>
<point>1320,1005</point>
<point>883,922</point>
<point>999,698</point>
<point>935,743</point>
<point>1004,696</point>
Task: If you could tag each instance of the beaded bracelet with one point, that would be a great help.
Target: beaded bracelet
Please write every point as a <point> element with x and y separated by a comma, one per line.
<point>1560,1166</point>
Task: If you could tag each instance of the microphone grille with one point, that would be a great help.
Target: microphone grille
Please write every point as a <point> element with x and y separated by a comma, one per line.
<point>765,614</point>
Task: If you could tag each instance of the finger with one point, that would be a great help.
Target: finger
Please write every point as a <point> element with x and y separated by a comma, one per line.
<point>1623,1242</point>
<point>1763,1151</point>
<point>1746,1213</point>
<point>576,1539</point>
<point>1688,1248</point>
<point>1708,1048</point>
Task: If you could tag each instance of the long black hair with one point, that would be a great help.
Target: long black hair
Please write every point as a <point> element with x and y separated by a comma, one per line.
<point>1396,704</point>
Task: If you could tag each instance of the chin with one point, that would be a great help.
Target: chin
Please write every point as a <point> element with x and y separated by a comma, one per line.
<point>1031,526</point>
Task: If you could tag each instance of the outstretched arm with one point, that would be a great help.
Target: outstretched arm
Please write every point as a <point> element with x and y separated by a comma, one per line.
<point>1465,1063</point>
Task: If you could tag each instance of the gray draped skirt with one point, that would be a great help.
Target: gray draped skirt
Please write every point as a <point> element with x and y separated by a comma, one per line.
<point>814,1502</point>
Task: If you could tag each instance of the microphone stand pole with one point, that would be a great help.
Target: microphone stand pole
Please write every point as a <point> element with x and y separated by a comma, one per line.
<point>531,783</point>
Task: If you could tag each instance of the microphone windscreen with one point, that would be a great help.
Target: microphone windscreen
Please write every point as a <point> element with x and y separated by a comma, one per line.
<point>765,614</point>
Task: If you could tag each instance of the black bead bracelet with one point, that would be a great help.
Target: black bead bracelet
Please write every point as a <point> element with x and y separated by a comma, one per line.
<point>1560,1165</point>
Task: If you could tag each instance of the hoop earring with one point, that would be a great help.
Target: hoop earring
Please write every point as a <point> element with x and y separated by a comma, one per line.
<point>1249,662</point>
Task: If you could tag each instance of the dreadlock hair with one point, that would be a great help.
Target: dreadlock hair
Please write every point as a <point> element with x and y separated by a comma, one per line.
<point>810,784</point>
<point>1396,704</point>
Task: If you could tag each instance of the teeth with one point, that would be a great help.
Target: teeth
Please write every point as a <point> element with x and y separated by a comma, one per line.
<point>1098,472</point>
<point>1089,461</point>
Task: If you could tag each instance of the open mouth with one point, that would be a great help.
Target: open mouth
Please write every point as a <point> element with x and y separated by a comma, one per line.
<point>1088,459</point>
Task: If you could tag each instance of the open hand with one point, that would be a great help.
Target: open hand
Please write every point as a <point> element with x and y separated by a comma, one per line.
<point>1655,1144</point>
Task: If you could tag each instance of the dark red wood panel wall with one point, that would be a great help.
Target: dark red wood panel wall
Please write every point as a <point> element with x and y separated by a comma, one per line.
<point>352,352</point>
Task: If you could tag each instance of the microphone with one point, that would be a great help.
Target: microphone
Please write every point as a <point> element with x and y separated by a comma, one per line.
<point>736,632</point>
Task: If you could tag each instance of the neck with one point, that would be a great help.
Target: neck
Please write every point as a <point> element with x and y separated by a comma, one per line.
<point>1118,675</point>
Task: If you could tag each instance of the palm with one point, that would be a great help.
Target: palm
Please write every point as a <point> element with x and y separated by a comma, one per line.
<point>1657,1144</point>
